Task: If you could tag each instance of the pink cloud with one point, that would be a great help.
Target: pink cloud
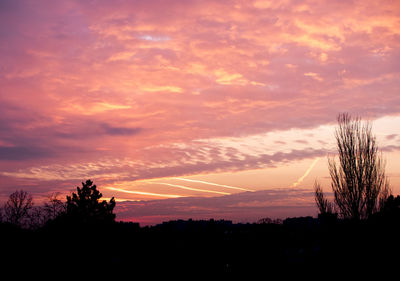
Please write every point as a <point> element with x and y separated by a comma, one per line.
<point>143,81</point>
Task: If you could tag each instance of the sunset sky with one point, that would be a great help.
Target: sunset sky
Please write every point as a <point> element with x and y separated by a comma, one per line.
<point>192,107</point>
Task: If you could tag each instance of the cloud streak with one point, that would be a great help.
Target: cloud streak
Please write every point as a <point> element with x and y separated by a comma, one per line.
<point>144,193</point>
<point>300,180</point>
<point>192,188</point>
<point>215,184</point>
<point>240,207</point>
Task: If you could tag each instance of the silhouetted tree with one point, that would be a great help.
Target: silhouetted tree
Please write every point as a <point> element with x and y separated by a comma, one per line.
<point>54,207</point>
<point>85,205</point>
<point>358,182</point>
<point>16,209</point>
<point>324,206</point>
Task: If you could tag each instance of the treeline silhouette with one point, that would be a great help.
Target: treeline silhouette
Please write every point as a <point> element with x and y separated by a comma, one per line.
<point>357,233</point>
<point>82,233</point>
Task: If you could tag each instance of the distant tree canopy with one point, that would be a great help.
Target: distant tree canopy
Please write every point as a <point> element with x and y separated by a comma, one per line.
<point>85,205</point>
<point>359,182</point>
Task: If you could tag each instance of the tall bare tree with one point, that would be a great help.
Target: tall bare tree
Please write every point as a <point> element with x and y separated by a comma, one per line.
<point>16,209</point>
<point>359,182</point>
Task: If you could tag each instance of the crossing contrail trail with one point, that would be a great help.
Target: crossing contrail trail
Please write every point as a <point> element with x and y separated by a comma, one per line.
<point>215,184</point>
<point>191,188</point>
<point>145,193</point>
<point>305,174</point>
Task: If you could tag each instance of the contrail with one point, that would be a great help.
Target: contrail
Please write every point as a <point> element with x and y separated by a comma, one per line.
<point>145,193</point>
<point>215,184</point>
<point>191,188</point>
<point>305,174</point>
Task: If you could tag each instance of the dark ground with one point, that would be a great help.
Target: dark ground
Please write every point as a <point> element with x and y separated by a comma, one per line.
<point>299,246</point>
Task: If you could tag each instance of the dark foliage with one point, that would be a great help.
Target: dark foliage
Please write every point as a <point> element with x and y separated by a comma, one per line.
<point>210,248</point>
<point>85,207</point>
<point>390,212</point>
<point>189,249</point>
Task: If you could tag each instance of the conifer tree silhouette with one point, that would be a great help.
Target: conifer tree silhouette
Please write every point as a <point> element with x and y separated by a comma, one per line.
<point>85,205</point>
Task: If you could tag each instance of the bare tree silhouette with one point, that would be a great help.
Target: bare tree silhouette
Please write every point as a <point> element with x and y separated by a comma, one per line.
<point>54,207</point>
<point>323,204</point>
<point>358,179</point>
<point>16,209</point>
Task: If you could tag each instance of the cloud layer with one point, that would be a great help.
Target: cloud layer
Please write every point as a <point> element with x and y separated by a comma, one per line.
<point>148,89</point>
